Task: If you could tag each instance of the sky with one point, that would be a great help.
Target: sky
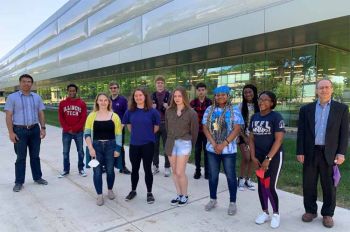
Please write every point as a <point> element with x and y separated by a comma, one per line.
<point>18,18</point>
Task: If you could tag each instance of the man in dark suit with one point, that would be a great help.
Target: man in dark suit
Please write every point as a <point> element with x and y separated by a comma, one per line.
<point>321,143</point>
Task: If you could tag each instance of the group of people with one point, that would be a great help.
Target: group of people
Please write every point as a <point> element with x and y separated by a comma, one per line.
<point>216,126</point>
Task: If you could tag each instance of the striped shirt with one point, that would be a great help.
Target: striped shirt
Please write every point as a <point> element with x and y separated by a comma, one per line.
<point>25,108</point>
<point>321,117</point>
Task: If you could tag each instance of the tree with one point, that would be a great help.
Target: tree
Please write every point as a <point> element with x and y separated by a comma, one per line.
<point>286,92</point>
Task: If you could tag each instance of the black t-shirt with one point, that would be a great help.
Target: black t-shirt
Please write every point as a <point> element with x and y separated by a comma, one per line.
<point>263,129</point>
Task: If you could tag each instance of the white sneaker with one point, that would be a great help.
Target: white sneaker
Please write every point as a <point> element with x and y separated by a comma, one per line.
<point>262,218</point>
<point>99,200</point>
<point>111,194</point>
<point>211,204</point>
<point>167,172</point>
<point>155,170</point>
<point>241,182</point>
<point>249,184</point>
<point>82,173</point>
<point>275,221</point>
<point>232,208</point>
<point>63,174</point>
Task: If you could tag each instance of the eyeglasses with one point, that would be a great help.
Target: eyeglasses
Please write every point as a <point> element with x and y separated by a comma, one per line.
<point>113,87</point>
<point>324,87</point>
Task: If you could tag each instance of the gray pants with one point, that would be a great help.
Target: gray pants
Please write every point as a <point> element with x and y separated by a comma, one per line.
<point>160,134</point>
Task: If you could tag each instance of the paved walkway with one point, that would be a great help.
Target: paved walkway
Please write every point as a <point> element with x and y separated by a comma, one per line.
<point>68,204</point>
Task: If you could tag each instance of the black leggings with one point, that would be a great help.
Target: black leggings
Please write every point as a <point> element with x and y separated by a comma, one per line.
<point>269,192</point>
<point>144,153</point>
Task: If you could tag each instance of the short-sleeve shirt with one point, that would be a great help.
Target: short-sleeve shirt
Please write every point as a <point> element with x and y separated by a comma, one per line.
<point>119,105</point>
<point>25,108</point>
<point>263,129</point>
<point>230,120</point>
<point>142,125</point>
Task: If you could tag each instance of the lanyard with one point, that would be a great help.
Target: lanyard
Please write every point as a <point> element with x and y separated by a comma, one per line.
<point>31,109</point>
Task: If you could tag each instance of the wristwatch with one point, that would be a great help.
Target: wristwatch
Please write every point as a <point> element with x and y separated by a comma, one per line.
<point>268,158</point>
<point>43,127</point>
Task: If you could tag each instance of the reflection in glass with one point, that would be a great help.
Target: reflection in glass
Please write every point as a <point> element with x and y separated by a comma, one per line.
<point>290,73</point>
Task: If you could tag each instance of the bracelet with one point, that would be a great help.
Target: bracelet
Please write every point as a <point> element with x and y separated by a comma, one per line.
<point>227,141</point>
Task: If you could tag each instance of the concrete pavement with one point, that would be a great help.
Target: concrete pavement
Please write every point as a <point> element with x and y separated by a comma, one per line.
<point>68,204</point>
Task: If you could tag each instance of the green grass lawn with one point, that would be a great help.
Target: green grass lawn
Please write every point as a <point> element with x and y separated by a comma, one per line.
<point>291,175</point>
<point>51,117</point>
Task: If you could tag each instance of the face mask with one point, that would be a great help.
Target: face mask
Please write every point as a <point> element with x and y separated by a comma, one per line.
<point>93,163</point>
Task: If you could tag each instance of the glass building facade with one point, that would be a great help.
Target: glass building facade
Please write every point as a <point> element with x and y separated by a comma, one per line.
<point>291,73</point>
<point>278,45</point>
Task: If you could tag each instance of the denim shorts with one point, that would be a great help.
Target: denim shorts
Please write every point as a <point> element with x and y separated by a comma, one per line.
<point>182,147</point>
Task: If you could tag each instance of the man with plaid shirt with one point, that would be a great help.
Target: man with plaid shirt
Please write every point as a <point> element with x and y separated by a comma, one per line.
<point>200,104</point>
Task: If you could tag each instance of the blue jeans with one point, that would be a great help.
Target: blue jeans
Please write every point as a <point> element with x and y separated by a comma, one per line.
<point>119,162</point>
<point>104,155</point>
<point>66,140</point>
<point>229,162</point>
<point>28,138</point>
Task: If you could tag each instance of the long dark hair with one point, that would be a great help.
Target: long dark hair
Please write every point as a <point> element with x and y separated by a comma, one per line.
<point>245,103</point>
<point>148,101</point>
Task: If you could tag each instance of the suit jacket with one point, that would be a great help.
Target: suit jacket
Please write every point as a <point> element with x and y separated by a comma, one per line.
<point>336,139</point>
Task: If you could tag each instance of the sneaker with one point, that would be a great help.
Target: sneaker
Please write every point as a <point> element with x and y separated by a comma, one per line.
<point>211,204</point>
<point>176,200</point>
<point>110,194</point>
<point>241,184</point>
<point>41,181</point>
<point>262,218</point>
<point>167,172</point>
<point>63,174</point>
<point>249,184</point>
<point>197,175</point>
<point>125,171</point>
<point>150,198</point>
<point>82,173</point>
<point>183,201</point>
<point>232,208</point>
<point>17,187</point>
<point>99,200</point>
<point>155,170</point>
<point>130,196</point>
<point>275,221</point>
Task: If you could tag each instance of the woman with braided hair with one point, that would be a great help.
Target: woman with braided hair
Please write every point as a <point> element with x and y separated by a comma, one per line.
<point>248,107</point>
<point>221,125</point>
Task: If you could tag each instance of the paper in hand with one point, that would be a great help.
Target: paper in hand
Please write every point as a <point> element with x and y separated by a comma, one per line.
<point>336,175</point>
